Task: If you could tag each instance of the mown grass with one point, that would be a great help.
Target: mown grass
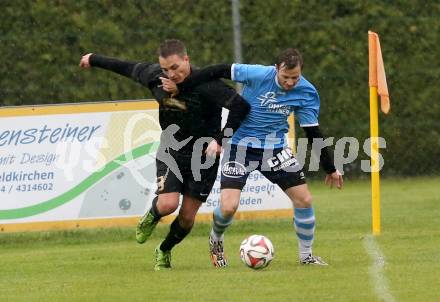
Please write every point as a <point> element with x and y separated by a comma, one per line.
<point>108,265</point>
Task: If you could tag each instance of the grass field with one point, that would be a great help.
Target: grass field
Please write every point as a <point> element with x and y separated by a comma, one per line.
<point>402,264</point>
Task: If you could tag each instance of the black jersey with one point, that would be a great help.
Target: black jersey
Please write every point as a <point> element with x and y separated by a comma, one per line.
<point>196,111</point>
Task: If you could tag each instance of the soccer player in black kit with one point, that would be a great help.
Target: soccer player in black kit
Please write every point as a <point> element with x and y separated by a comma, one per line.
<point>191,115</point>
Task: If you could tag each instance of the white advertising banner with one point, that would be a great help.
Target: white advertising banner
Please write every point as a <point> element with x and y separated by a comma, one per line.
<point>91,161</point>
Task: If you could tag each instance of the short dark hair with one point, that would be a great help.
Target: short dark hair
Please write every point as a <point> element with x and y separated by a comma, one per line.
<point>172,47</point>
<point>289,58</point>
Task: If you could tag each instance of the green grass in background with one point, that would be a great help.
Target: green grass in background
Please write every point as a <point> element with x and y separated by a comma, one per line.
<point>108,265</point>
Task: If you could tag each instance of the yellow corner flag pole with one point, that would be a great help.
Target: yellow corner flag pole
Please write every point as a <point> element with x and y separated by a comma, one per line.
<point>378,85</point>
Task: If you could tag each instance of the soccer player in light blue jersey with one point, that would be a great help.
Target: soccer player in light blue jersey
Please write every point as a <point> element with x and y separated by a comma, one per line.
<point>274,92</point>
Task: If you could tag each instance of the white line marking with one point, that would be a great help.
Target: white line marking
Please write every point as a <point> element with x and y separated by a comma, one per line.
<point>377,269</point>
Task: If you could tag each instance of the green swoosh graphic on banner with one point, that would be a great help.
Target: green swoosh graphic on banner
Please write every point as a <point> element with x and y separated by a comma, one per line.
<point>81,187</point>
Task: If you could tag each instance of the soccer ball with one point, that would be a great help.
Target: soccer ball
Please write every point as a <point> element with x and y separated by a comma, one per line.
<point>256,251</point>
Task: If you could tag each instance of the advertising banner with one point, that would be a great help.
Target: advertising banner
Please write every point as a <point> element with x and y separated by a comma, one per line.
<point>92,161</point>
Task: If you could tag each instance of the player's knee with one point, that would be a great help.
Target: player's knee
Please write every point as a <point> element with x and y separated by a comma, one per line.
<point>302,201</point>
<point>306,200</point>
<point>228,210</point>
<point>166,207</point>
<point>186,220</point>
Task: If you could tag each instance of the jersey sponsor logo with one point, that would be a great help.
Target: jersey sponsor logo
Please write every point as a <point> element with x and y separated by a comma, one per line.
<point>278,108</point>
<point>269,100</point>
<point>233,169</point>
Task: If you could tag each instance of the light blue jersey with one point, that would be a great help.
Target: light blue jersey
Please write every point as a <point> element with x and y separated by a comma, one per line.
<point>271,105</point>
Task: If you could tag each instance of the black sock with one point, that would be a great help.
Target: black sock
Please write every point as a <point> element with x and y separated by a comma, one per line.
<point>154,211</point>
<point>176,234</point>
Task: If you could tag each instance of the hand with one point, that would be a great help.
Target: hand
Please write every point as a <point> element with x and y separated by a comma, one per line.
<point>213,149</point>
<point>85,61</point>
<point>334,179</point>
<point>169,86</point>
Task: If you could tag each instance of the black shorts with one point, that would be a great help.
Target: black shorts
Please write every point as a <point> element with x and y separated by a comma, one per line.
<point>278,165</point>
<point>197,187</point>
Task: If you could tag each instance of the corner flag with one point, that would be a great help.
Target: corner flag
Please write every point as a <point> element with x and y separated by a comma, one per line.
<point>378,86</point>
<point>377,76</point>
